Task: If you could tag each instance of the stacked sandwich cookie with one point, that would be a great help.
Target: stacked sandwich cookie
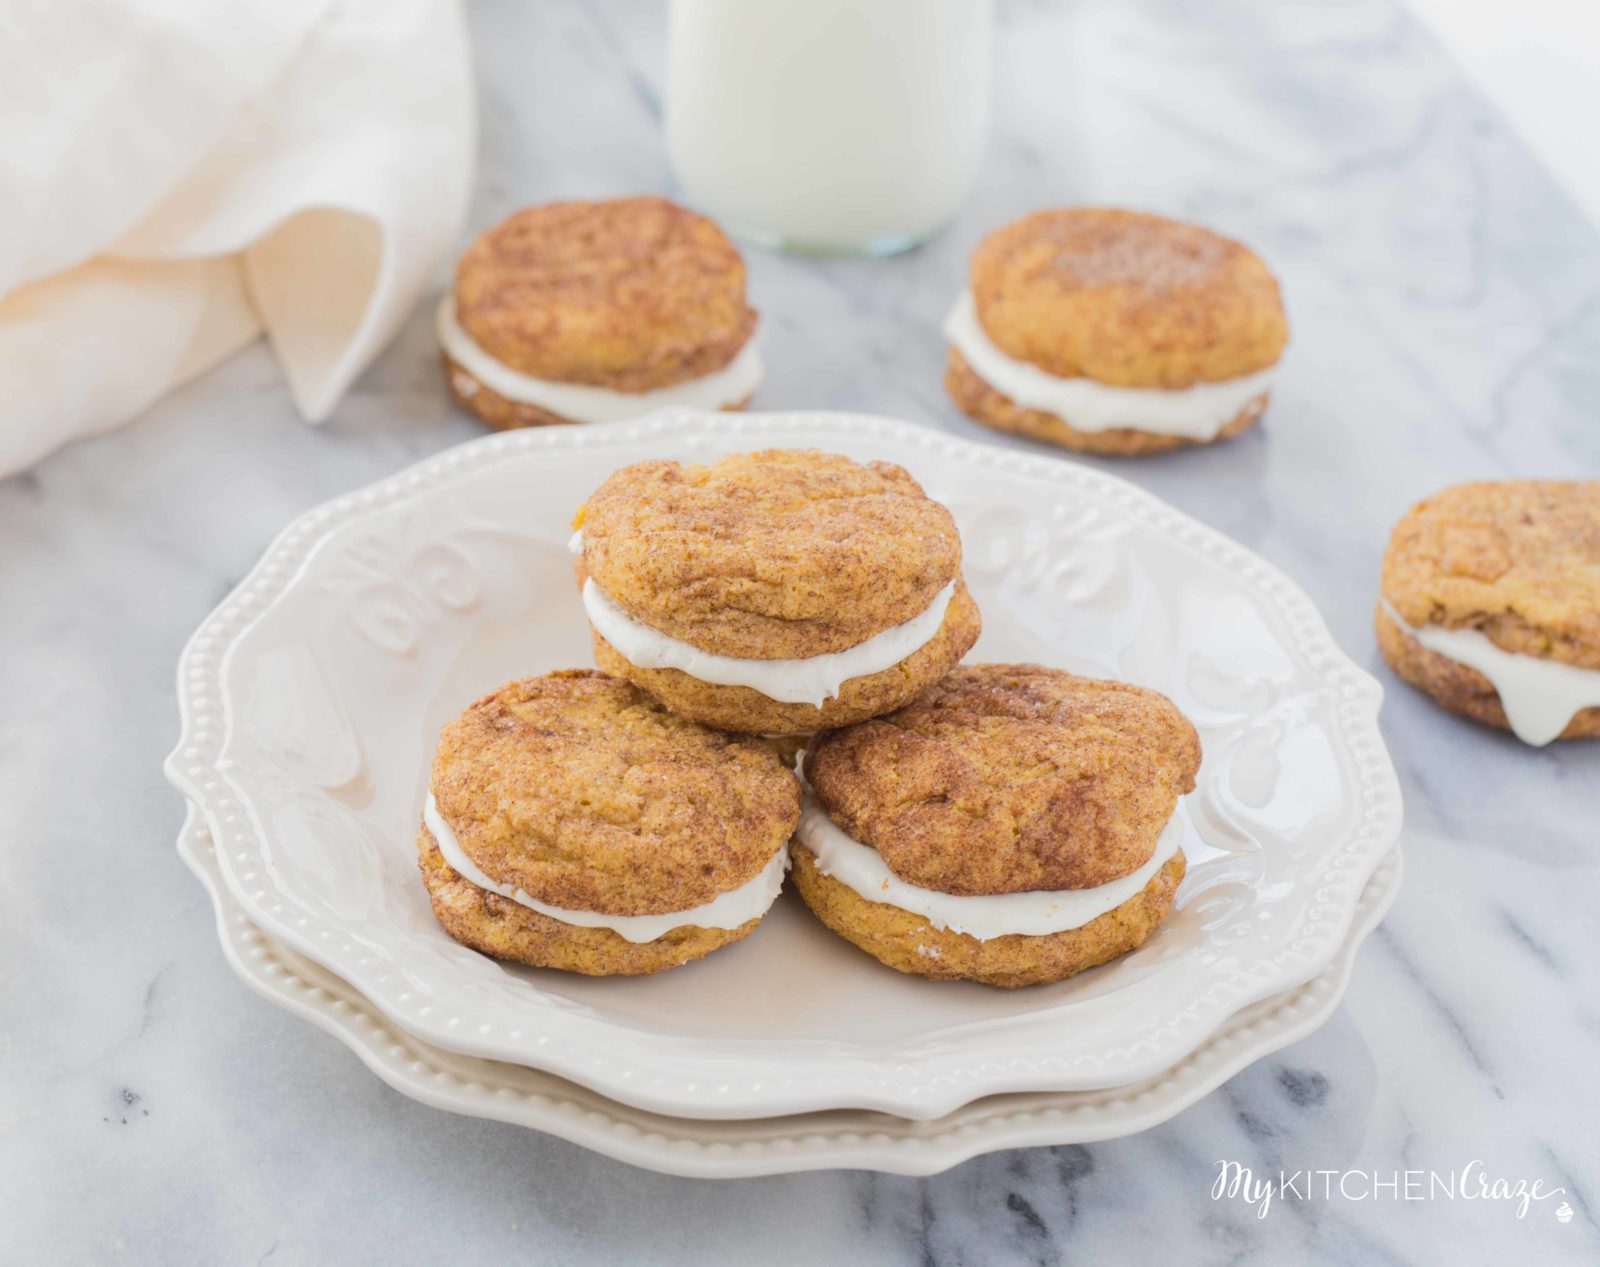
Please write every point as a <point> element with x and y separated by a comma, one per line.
<point>1006,824</point>
<point>595,821</point>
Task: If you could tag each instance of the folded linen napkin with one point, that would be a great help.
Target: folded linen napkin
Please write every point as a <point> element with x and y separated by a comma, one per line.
<point>178,176</point>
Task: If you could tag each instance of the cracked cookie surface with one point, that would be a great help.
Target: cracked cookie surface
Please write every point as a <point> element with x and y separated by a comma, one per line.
<point>634,294</point>
<point>781,554</point>
<point>1517,560</point>
<point>1010,778</point>
<point>585,793</point>
<point>1127,299</point>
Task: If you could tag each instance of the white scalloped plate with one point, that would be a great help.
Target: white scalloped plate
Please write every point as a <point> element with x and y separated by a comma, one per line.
<point>311,699</point>
<point>844,1138</point>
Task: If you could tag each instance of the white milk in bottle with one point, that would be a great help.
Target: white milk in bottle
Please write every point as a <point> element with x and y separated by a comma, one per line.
<point>838,126</point>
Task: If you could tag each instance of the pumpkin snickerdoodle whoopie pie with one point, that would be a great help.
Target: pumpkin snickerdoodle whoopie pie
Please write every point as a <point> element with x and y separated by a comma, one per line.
<point>780,592</point>
<point>1114,332</point>
<point>1013,826</point>
<point>597,311</point>
<point>571,822</point>
<point>1490,603</point>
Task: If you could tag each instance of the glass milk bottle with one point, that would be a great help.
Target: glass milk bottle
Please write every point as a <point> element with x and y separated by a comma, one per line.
<point>850,127</point>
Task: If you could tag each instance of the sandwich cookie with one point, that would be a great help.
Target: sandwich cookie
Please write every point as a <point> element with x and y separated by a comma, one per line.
<point>598,311</point>
<point>573,823</point>
<point>779,593</point>
<point>1014,826</point>
<point>1490,602</point>
<point>1114,332</point>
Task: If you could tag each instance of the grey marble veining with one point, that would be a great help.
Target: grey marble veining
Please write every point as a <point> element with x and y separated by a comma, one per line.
<point>1445,303</point>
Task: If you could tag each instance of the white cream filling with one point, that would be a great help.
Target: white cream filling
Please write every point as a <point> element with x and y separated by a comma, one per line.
<point>727,910</point>
<point>1195,413</point>
<point>812,680</point>
<point>582,403</point>
<point>863,869</point>
<point>1539,696</point>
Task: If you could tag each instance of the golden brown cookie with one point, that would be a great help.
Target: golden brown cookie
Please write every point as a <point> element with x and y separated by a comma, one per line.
<point>1008,778</point>
<point>633,295</point>
<point>772,555</point>
<point>908,943</point>
<point>1516,561</point>
<point>773,560</point>
<point>581,793</point>
<point>1106,300</point>
<point>1127,299</point>
<point>1004,780</point>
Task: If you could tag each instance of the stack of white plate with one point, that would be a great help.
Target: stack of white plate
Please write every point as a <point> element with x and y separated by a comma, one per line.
<point>312,697</point>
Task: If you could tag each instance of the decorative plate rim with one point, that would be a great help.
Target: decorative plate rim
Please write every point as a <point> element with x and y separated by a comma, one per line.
<point>732,1149</point>
<point>934,1084</point>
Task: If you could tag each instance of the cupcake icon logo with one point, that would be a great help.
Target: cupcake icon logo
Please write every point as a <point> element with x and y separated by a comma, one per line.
<point>1563,1213</point>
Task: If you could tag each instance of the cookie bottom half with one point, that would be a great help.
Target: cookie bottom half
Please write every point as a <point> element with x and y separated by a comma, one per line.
<point>908,943</point>
<point>978,400</point>
<point>1456,687</point>
<point>504,414</point>
<point>504,929</point>
<point>742,708</point>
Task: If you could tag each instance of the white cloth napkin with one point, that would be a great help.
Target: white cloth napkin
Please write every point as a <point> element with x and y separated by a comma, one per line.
<point>177,176</point>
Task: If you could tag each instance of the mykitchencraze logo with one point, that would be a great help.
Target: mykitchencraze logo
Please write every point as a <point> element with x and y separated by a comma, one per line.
<point>1472,1182</point>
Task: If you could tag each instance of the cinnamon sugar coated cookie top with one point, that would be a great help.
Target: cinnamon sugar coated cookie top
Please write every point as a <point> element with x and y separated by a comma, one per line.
<point>1010,778</point>
<point>1518,560</point>
<point>1127,299</point>
<point>633,294</point>
<point>777,555</point>
<point>586,794</point>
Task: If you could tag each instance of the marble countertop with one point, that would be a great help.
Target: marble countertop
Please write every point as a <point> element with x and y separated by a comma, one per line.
<point>1445,304</point>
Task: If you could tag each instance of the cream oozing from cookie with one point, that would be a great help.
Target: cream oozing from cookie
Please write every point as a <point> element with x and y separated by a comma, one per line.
<point>862,869</point>
<point>1195,413</point>
<point>1539,696</point>
<point>812,680</point>
<point>749,901</point>
<point>582,402</point>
